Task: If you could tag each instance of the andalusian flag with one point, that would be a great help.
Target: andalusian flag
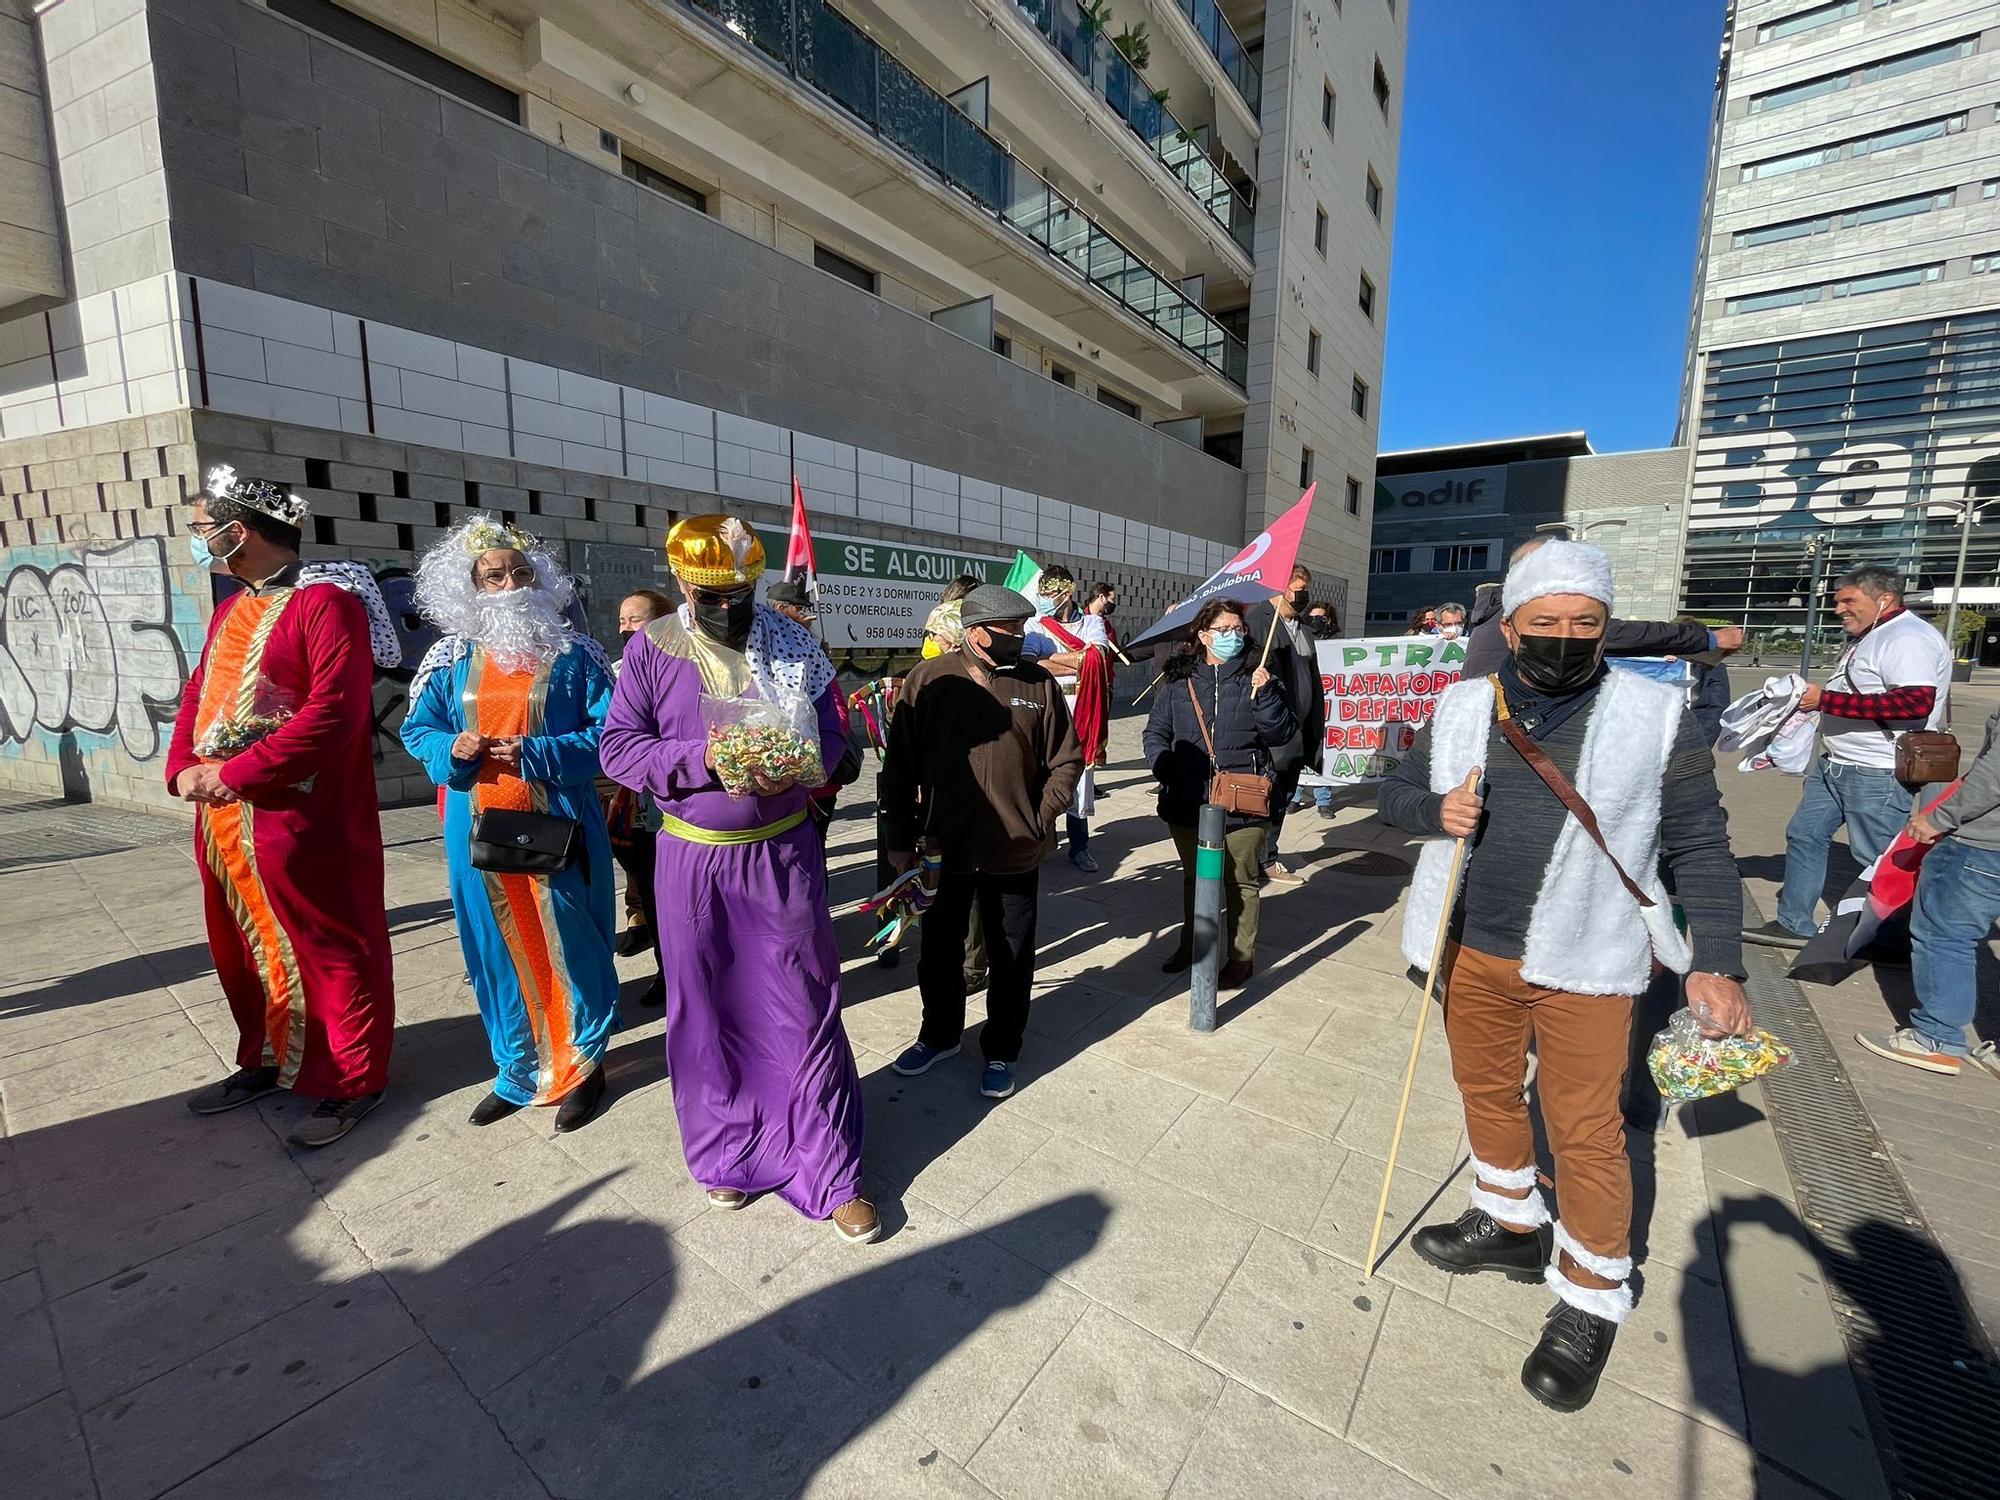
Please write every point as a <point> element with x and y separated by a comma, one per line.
<point>1025,576</point>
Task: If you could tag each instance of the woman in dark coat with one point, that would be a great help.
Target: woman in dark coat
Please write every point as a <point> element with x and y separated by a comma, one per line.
<point>1248,714</point>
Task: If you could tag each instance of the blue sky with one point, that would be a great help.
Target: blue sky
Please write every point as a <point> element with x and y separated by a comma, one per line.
<point>1550,188</point>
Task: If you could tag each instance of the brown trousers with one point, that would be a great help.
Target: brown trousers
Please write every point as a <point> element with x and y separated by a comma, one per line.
<point>1490,1015</point>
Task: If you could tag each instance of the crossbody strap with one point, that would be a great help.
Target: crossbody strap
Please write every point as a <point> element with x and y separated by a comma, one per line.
<point>1538,760</point>
<point>1202,721</point>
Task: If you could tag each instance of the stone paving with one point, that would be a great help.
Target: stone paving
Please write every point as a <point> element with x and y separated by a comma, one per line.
<point>1140,1276</point>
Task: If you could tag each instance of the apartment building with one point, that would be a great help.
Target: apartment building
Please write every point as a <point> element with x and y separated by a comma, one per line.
<point>1843,383</point>
<point>1106,281</point>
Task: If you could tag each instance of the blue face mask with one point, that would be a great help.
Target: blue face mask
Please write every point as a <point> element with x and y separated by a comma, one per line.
<point>206,557</point>
<point>1226,644</point>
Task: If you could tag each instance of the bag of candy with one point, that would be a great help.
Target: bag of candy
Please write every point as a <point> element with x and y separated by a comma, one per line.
<point>755,734</point>
<point>1687,1065</point>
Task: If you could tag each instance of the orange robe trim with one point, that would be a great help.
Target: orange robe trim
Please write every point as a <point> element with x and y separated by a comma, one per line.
<point>502,705</point>
<point>228,832</point>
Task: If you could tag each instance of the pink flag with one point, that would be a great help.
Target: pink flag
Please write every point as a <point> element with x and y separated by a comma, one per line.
<point>1259,570</point>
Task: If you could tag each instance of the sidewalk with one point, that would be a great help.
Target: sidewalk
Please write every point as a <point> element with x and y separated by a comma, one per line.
<point>1137,1277</point>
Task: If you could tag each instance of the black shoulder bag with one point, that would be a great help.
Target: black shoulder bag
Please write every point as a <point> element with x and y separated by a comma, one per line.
<point>510,841</point>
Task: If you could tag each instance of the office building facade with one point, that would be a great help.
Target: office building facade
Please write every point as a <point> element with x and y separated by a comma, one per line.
<point>1446,520</point>
<point>1843,384</point>
<point>983,274</point>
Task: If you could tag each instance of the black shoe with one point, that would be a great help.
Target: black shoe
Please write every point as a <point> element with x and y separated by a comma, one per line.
<point>1475,1241</point>
<point>888,958</point>
<point>580,1106</point>
<point>655,994</point>
<point>332,1120</point>
<point>633,941</point>
<point>491,1108</point>
<point>1178,962</point>
<point>1563,1370</point>
<point>235,1091</point>
<point>1773,935</point>
<point>1235,974</point>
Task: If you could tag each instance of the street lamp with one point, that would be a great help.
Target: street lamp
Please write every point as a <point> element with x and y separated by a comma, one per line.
<point>1579,531</point>
<point>1967,509</point>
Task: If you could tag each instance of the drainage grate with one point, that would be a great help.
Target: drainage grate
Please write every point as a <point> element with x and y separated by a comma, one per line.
<point>47,832</point>
<point>1367,862</point>
<point>1927,1377</point>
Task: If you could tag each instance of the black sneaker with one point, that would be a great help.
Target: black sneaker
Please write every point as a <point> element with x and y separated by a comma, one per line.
<point>332,1120</point>
<point>1773,935</point>
<point>1476,1241</point>
<point>633,941</point>
<point>655,994</point>
<point>242,1087</point>
<point>1563,1370</point>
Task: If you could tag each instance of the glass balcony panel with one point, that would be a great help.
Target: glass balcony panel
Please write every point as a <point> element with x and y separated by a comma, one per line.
<point>1029,203</point>
<point>834,56</point>
<point>913,116</point>
<point>976,162</point>
<point>764,24</point>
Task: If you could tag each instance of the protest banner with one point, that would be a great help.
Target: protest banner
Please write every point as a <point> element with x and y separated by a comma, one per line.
<point>1379,693</point>
<point>877,594</point>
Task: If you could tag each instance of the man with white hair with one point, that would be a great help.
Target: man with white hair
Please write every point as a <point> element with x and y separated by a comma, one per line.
<point>1572,785</point>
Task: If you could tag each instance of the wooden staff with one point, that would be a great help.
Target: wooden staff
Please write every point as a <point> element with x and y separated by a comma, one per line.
<point>1423,1015</point>
<point>1148,688</point>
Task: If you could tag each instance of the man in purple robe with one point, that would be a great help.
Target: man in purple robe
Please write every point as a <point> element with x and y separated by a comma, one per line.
<point>764,1080</point>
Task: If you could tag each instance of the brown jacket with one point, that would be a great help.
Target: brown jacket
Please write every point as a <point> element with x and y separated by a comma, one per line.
<point>983,768</point>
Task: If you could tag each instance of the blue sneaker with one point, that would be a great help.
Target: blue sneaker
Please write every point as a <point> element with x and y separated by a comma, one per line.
<point>921,1057</point>
<point>997,1080</point>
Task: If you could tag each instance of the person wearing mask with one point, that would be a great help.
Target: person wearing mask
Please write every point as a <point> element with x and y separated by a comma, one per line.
<point>273,747</point>
<point>1294,660</point>
<point>1217,710</point>
<point>633,820</point>
<point>504,715</point>
<point>1486,646</point>
<point>765,1087</point>
<point>1450,621</point>
<point>1958,901</point>
<point>1551,936</point>
<point>1323,624</point>
<point>1075,647</point>
<point>1893,676</point>
<point>982,760</point>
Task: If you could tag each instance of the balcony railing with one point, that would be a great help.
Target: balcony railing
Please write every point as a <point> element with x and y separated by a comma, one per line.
<point>822,48</point>
<point>1090,53</point>
<point>1214,29</point>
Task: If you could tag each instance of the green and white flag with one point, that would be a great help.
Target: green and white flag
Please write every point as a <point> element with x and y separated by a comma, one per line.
<point>1025,577</point>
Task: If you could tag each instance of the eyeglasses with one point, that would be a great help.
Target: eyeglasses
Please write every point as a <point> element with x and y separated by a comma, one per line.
<point>208,528</point>
<point>523,575</point>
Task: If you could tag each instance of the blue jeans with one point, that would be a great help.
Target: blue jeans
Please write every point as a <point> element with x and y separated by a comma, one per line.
<point>1873,805</point>
<point>1958,900</point>
<point>1078,830</point>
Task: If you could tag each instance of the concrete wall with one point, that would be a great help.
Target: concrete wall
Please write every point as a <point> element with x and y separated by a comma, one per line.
<point>31,261</point>
<point>301,169</point>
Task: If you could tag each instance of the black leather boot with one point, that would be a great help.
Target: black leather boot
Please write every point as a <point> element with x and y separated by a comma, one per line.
<point>580,1107</point>
<point>491,1108</point>
<point>1477,1242</point>
<point>1563,1370</point>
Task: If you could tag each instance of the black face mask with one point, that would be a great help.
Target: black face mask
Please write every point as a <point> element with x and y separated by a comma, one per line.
<point>1297,599</point>
<point>1003,651</point>
<point>1320,626</point>
<point>726,621</point>
<point>1111,609</point>
<point>625,639</point>
<point>1557,663</point>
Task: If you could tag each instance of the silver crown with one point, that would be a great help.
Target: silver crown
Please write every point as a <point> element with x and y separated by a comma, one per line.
<point>260,495</point>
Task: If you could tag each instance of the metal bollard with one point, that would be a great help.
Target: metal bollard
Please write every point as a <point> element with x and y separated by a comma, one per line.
<point>1209,853</point>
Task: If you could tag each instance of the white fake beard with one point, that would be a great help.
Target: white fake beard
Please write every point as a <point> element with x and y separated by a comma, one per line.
<point>520,628</point>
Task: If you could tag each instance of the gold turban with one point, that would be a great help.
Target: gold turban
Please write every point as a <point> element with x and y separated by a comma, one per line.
<point>714,552</point>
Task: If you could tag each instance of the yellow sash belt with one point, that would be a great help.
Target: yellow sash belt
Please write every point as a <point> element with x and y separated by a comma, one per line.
<point>680,830</point>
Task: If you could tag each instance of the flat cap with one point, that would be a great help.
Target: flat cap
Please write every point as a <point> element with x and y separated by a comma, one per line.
<point>992,602</point>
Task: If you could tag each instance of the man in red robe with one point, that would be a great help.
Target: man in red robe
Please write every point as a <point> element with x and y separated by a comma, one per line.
<point>272,746</point>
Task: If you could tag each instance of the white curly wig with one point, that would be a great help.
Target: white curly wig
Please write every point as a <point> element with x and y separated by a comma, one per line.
<point>518,627</point>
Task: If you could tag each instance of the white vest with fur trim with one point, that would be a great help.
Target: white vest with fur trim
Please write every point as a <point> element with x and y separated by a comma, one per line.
<point>1586,934</point>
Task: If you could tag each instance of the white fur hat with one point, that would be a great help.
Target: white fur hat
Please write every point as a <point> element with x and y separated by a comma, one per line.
<point>1558,567</point>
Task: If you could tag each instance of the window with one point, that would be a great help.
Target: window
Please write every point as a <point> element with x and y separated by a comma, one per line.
<point>1990,190</point>
<point>1359,399</point>
<point>1367,298</point>
<point>1981,264</point>
<point>1471,557</point>
<point>1381,87</point>
<point>329,20</point>
<point>1389,559</point>
<point>1003,346</point>
<point>1319,229</point>
<point>1856,286</point>
<point>1373,193</point>
<point>1909,135</point>
<point>1312,351</point>
<point>1062,377</point>
<point>1305,468</point>
<point>1326,106</point>
<point>1819,156</point>
<point>836,264</point>
<point>1808,20</point>
<point>1889,67</point>
<point>1117,403</point>
<point>1873,213</point>
<point>661,183</point>
<point>1798,161</point>
<point>1353,496</point>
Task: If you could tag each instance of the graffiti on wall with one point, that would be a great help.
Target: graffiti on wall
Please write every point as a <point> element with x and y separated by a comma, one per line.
<point>89,647</point>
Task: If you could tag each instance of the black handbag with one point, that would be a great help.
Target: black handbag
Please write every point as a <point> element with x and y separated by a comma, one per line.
<point>512,842</point>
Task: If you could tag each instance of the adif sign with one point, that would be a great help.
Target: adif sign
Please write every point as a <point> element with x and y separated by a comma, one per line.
<point>1748,478</point>
<point>1451,492</point>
